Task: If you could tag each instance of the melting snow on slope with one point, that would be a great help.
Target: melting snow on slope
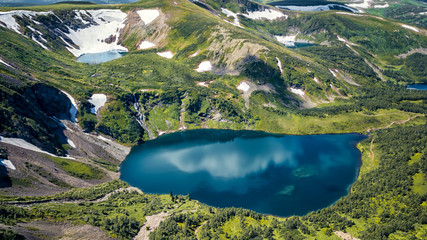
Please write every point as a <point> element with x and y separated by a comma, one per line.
<point>8,164</point>
<point>232,14</point>
<point>148,15</point>
<point>267,13</point>
<point>25,145</point>
<point>289,40</point>
<point>382,6</point>
<point>167,54</point>
<point>297,91</point>
<point>98,100</point>
<point>203,84</point>
<point>243,86</point>
<point>73,108</point>
<point>204,66</point>
<point>9,21</point>
<point>364,4</point>
<point>5,63</point>
<point>146,45</point>
<point>195,54</point>
<point>71,143</point>
<point>279,63</point>
<point>410,28</point>
<point>351,14</point>
<point>92,39</point>
<point>316,80</point>
<point>335,75</point>
<point>39,43</point>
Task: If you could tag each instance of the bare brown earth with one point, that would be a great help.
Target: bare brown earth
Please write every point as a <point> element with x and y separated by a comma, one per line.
<point>34,169</point>
<point>152,222</point>
<point>57,230</point>
<point>345,236</point>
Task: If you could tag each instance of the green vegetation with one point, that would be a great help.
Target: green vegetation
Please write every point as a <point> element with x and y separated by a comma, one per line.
<point>77,169</point>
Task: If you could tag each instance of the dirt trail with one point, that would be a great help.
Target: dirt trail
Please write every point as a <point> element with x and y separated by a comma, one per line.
<point>104,198</point>
<point>150,225</point>
<point>370,149</point>
<point>345,236</point>
<point>391,124</point>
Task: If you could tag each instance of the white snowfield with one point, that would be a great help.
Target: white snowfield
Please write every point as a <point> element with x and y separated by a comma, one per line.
<point>288,41</point>
<point>364,4</point>
<point>243,86</point>
<point>229,13</point>
<point>297,91</point>
<point>73,108</point>
<point>148,15</point>
<point>267,14</point>
<point>7,163</point>
<point>410,28</point>
<point>7,19</point>
<point>167,54</point>
<point>26,145</point>
<point>71,143</point>
<point>279,64</point>
<point>92,39</point>
<point>98,100</point>
<point>382,6</point>
<point>204,66</point>
<point>146,45</point>
<point>333,73</point>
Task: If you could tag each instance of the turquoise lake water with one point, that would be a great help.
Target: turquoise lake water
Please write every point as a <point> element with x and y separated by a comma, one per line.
<point>97,58</point>
<point>417,87</point>
<point>276,174</point>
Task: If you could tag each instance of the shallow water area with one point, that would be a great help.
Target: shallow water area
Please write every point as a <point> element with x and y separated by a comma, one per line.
<point>275,174</point>
<point>417,87</point>
<point>97,58</point>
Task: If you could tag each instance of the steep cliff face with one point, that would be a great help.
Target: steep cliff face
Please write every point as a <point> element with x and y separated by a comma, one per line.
<point>31,113</point>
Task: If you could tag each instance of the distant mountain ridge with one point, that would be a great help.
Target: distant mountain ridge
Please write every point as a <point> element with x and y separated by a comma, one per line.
<point>20,3</point>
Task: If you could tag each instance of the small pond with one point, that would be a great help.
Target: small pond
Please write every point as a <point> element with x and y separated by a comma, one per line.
<point>276,174</point>
<point>97,58</point>
<point>417,87</point>
<point>312,5</point>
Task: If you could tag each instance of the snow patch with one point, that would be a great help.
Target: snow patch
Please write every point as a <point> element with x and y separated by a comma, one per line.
<point>410,28</point>
<point>71,143</point>
<point>7,19</point>
<point>382,6</point>
<point>316,80</point>
<point>288,41</point>
<point>243,86</point>
<point>103,138</point>
<point>5,63</point>
<point>39,43</point>
<point>229,13</point>
<point>203,84</point>
<point>195,54</point>
<point>364,4</point>
<point>146,45</point>
<point>267,14</point>
<point>148,15</point>
<point>7,163</point>
<point>279,63</point>
<point>204,66</point>
<point>73,108</point>
<point>167,54</point>
<point>351,14</point>
<point>297,91</point>
<point>98,100</point>
<point>333,73</point>
<point>341,39</point>
<point>26,145</point>
<point>92,39</point>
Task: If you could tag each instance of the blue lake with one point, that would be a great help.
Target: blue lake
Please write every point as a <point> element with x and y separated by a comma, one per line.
<point>417,87</point>
<point>312,5</point>
<point>275,174</point>
<point>97,58</point>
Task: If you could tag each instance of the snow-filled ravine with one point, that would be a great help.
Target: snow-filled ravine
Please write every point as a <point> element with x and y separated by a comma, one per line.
<point>98,100</point>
